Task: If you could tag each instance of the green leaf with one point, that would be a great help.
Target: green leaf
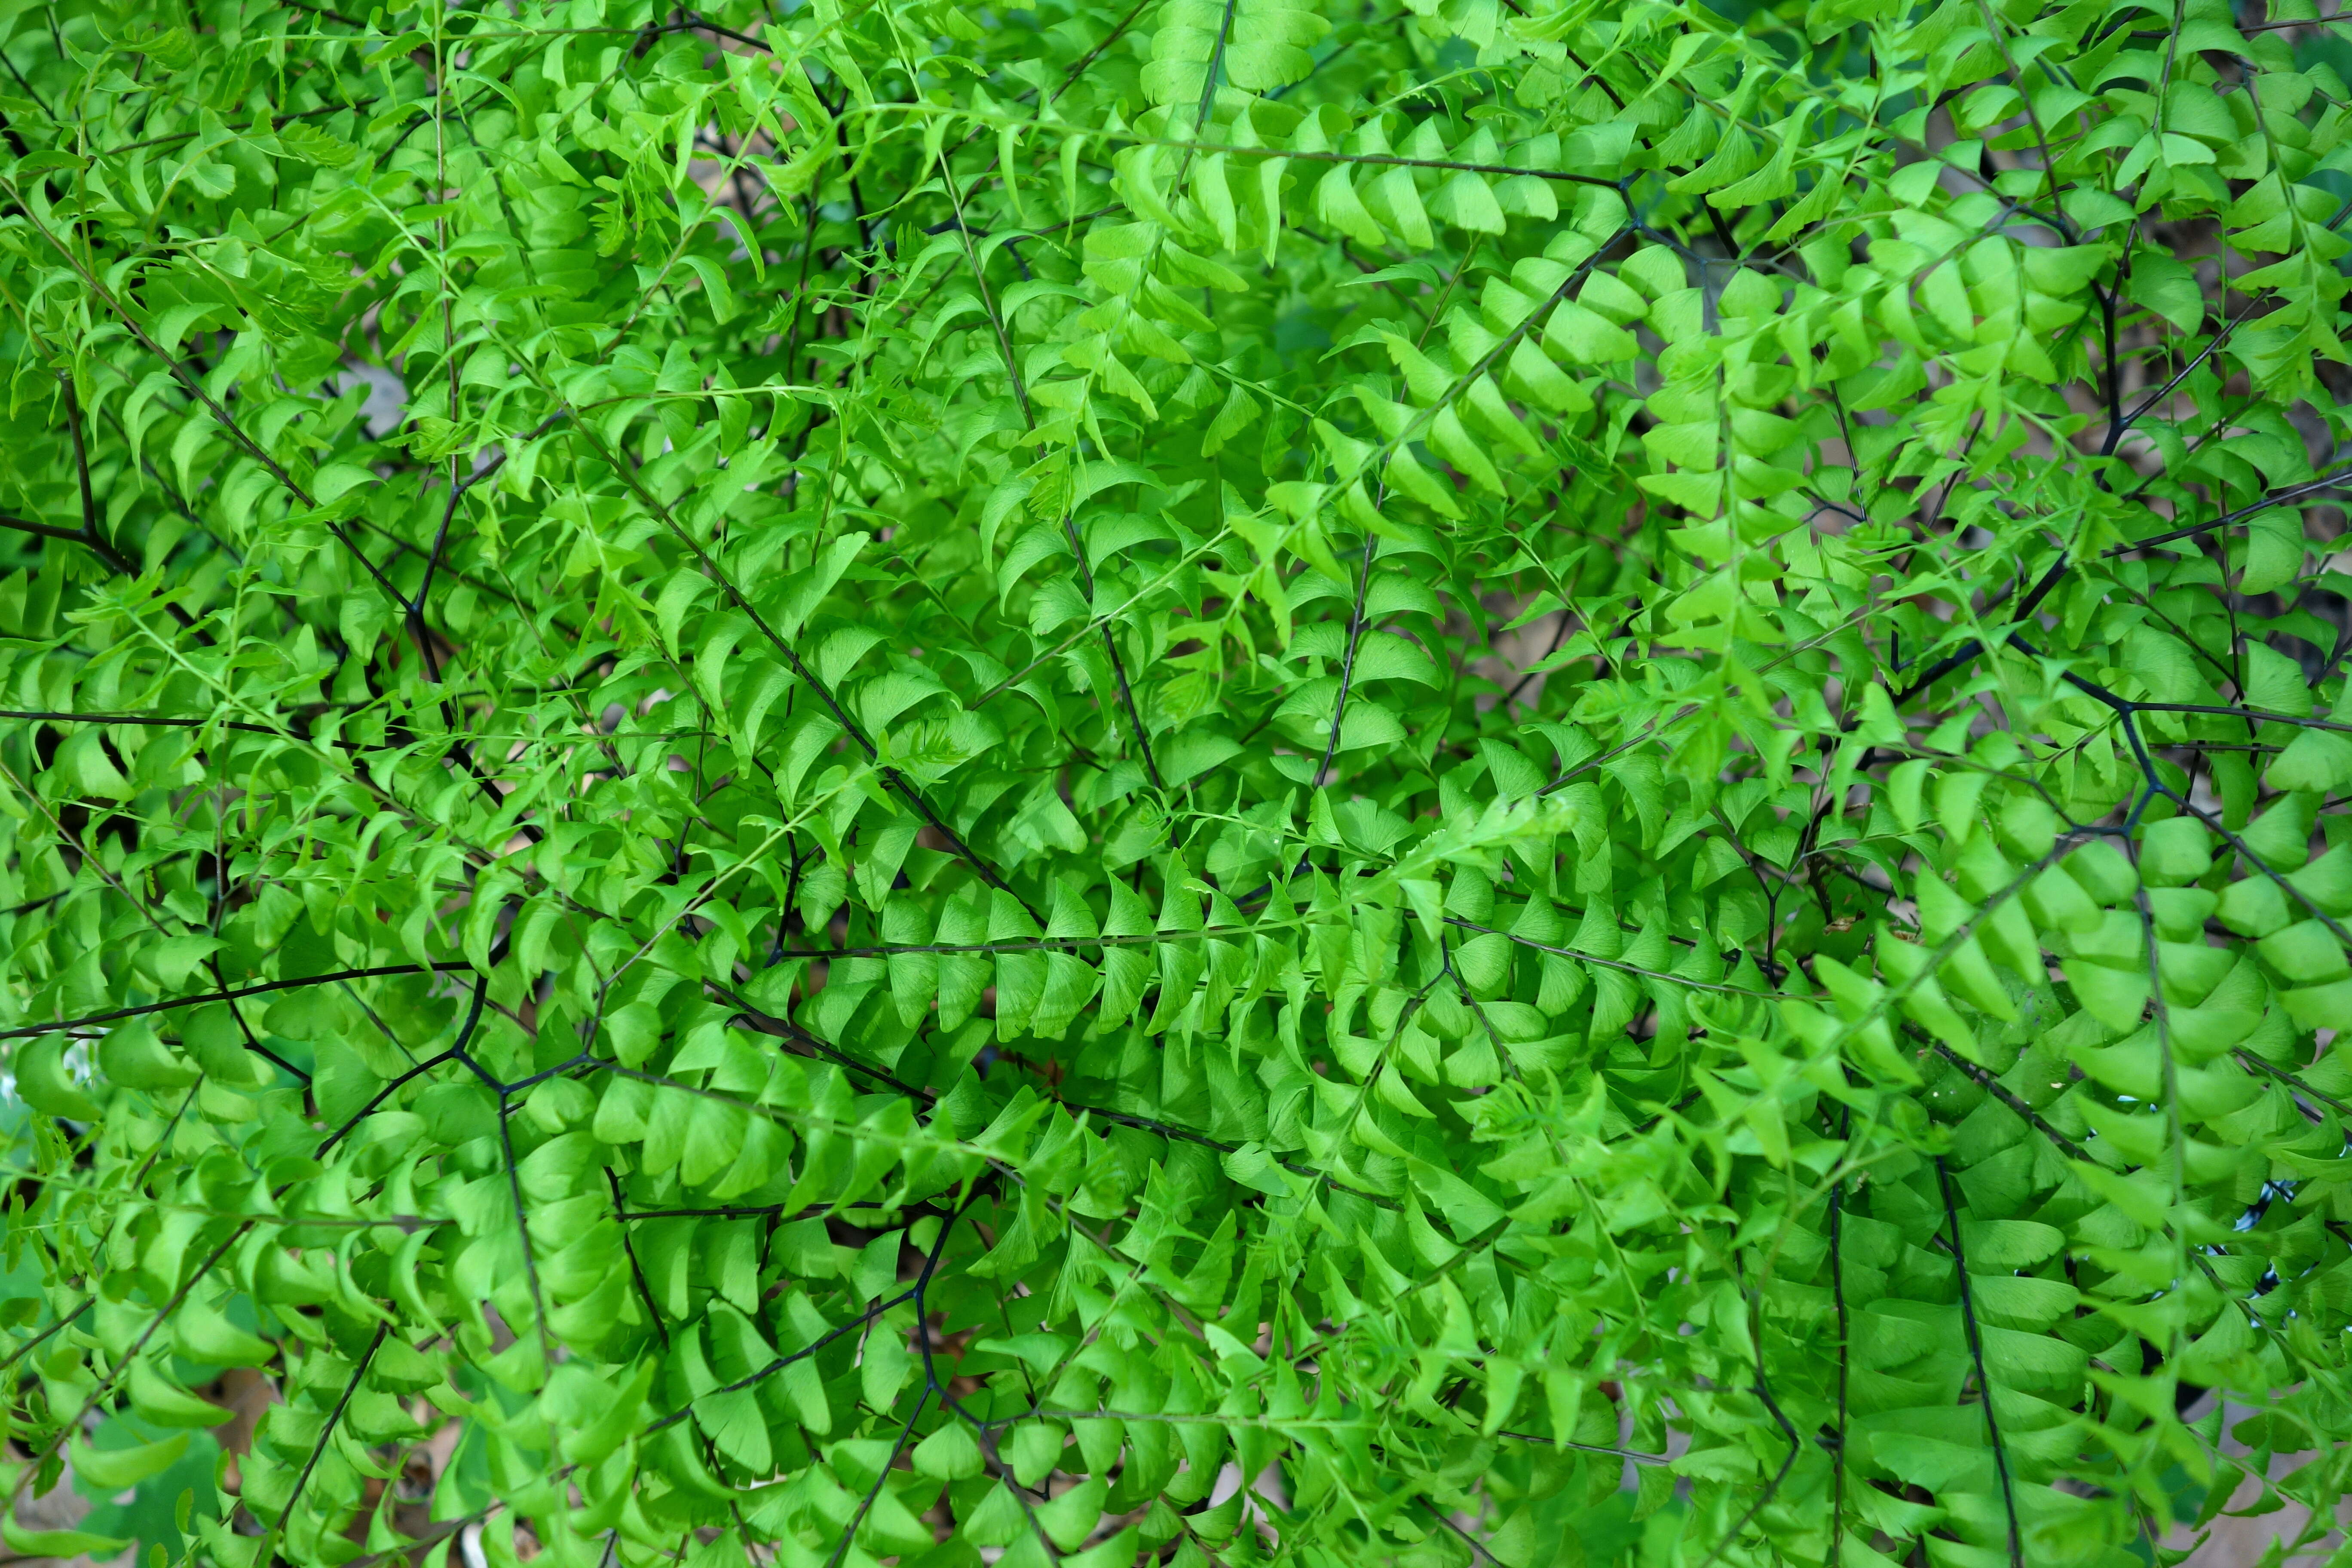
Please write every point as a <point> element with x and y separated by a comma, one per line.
<point>112,1469</point>
<point>809,809</point>
<point>952,1453</point>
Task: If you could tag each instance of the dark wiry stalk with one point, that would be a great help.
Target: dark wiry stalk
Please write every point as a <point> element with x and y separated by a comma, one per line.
<point>1975,1355</point>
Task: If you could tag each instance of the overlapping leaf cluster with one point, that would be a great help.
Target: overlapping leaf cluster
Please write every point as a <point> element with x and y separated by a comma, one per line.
<point>1211,782</point>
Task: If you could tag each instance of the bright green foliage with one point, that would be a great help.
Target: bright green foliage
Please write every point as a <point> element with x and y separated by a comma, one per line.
<point>882,780</point>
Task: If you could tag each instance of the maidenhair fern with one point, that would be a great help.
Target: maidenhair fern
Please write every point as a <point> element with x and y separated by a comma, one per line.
<point>1204,781</point>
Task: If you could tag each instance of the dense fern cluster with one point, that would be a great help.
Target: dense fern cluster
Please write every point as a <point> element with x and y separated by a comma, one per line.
<point>1211,781</point>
